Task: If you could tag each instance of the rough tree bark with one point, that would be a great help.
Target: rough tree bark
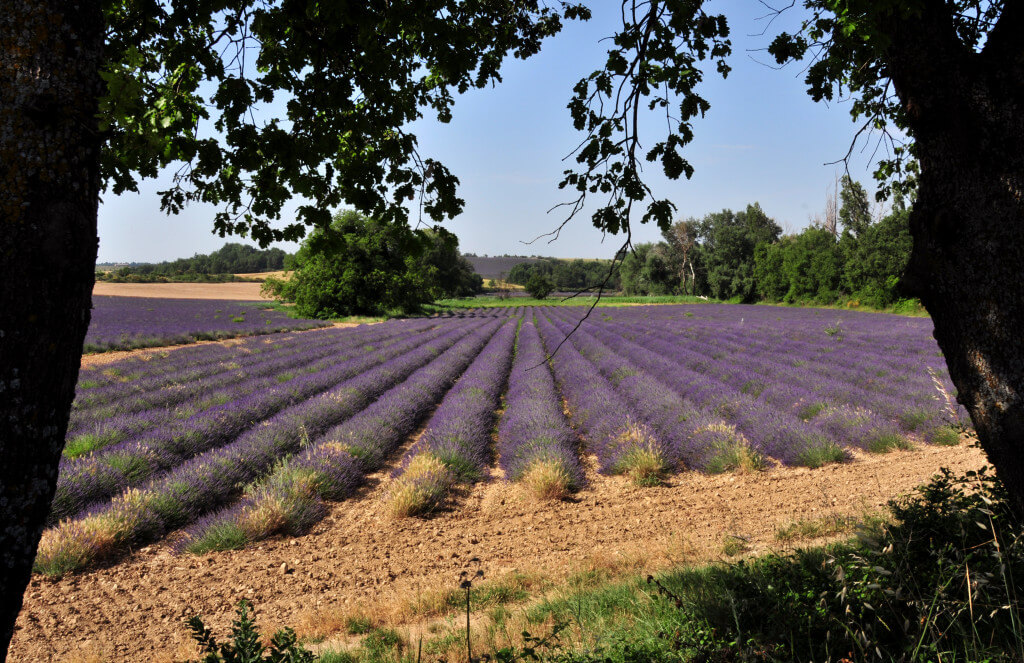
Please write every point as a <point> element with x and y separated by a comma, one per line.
<point>50,53</point>
<point>967,264</point>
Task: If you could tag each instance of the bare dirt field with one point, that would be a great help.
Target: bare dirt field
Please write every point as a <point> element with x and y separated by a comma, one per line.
<point>236,291</point>
<point>358,560</point>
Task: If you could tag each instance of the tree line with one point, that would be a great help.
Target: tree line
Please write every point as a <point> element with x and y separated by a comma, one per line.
<point>232,258</point>
<point>745,257</point>
<point>568,275</point>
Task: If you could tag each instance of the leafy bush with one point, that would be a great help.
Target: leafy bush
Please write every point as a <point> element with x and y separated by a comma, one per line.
<point>245,646</point>
<point>538,286</point>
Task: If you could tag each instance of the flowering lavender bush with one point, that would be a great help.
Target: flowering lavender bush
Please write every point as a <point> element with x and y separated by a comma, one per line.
<point>169,441</point>
<point>535,444</point>
<point>685,434</point>
<point>85,479</point>
<point>290,499</point>
<point>456,445</point>
<point>210,479</point>
<point>124,323</point>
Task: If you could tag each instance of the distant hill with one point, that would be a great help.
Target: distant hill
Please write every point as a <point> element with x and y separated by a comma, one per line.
<point>497,266</point>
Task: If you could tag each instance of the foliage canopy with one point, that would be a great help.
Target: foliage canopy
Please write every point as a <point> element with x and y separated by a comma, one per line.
<point>362,266</point>
<point>185,82</point>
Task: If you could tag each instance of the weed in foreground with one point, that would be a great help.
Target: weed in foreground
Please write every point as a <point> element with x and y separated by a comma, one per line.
<point>245,645</point>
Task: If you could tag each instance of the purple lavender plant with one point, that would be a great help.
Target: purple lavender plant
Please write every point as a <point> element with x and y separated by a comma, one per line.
<point>536,447</point>
<point>124,323</point>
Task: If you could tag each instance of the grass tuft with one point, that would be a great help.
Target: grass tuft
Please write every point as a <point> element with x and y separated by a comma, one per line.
<point>886,442</point>
<point>547,480</point>
<point>946,436</point>
<point>823,453</point>
<point>421,488</point>
<point>732,453</point>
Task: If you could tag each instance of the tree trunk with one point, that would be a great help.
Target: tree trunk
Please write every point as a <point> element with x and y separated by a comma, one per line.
<point>49,165</point>
<point>966,111</point>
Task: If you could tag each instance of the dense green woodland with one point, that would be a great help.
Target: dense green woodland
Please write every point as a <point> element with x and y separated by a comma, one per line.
<point>566,274</point>
<point>846,257</point>
<point>232,258</point>
<point>743,256</point>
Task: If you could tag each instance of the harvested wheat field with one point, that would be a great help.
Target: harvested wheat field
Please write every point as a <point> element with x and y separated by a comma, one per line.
<point>359,560</point>
<point>247,292</point>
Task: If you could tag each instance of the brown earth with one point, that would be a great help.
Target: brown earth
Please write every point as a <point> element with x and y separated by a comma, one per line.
<point>360,560</point>
<point>236,291</point>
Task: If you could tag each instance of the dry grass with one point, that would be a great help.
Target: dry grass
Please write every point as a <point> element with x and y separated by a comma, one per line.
<point>641,460</point>
<point>546,480</point>
<point>421,488</point>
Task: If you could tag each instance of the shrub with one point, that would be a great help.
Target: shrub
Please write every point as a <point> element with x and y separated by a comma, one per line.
<point>245,646</point>
<point>539,286</point>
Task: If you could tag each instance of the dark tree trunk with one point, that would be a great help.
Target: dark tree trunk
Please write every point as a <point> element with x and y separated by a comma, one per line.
<point>966,111</point>
<point>49,166</point>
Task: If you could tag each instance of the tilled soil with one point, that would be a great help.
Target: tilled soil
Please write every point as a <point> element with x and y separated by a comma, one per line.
<point>135,610</point>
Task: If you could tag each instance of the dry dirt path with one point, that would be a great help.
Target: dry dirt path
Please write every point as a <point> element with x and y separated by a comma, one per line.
<point>358,558</point>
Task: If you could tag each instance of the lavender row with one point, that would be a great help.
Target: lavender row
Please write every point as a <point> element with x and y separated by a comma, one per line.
<point>646,374</point>
<point>855,415</point>
<point>818,352</point>
<point>180,375</point>
<point>845,424</point>
<point>122,323</point>
<point>456,445</point>
<point>690,435</point>
<point>208,481</point>
<point>855,347</point>
<point>536,447</point>
<point>106,382</point>
<point>612,428</point>
<point>291,499</point>
<point>101,429</point>
<point>86,479</point>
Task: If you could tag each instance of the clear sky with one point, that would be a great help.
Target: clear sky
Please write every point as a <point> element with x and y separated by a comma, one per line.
<point>763,140</point>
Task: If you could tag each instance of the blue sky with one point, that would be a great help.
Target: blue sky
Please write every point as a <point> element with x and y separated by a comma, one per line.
<point>763,140</point>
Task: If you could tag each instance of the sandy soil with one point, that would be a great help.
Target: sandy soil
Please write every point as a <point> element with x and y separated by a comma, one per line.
<point>360,557</point>
<point>236,291</point>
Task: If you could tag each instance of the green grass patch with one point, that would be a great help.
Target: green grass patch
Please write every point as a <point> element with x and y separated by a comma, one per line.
<point>83,444</point>
<point>886,442</point>
<point>946,436</point>
<point>823,453</point>
<point>221,536</point>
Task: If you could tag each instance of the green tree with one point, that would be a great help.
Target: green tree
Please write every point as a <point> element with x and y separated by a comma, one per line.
<point>728,240</point>
<point>539,286</point>
<point>812,266</point>
<point>876,260</point>
<point>356,266</point>
<point>854,209</point>
<point>444,271</point>
<point>771,282</point>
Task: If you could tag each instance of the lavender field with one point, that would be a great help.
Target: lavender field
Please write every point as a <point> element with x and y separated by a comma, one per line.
<point>126,323</point>
<point>214,447</point>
